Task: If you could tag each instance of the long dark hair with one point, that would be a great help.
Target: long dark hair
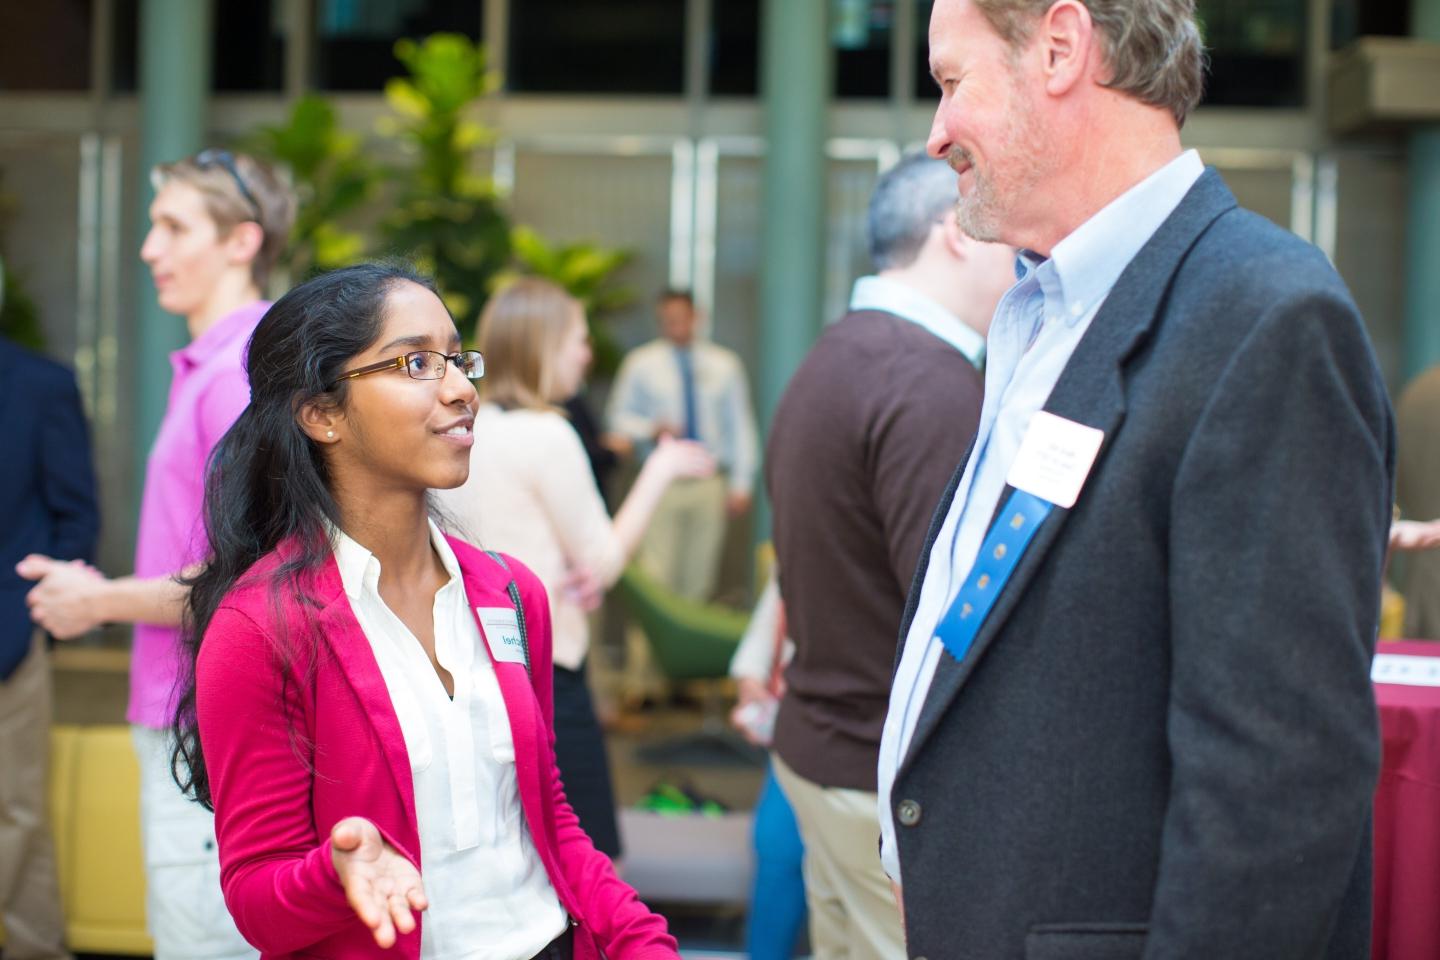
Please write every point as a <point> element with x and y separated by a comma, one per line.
<point>267,483</point>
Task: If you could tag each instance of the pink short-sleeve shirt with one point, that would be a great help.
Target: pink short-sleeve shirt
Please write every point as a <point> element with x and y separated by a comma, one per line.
<point>208,391</point>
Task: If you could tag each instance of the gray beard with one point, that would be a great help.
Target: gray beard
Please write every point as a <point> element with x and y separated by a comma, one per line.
<point>976,216</point>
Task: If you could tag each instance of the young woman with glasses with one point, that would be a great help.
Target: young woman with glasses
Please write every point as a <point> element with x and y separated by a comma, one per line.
<point>369,706</point>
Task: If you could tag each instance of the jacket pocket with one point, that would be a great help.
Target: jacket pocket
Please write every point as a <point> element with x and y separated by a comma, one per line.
<point>1085,941</point>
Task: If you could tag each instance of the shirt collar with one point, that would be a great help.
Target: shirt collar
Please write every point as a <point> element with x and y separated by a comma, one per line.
<point>360,570</point>
<point>1084,266</point>
<point>904,301</point>
<point>239,322</point>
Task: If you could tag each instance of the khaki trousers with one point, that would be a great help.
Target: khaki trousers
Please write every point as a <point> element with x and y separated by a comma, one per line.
<point>682,544</point>
<point>853,915</point>
<point>29,889</point>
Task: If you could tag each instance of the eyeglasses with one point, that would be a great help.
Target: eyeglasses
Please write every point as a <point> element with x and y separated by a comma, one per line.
<point>226,159</point>
<point>423,365</point>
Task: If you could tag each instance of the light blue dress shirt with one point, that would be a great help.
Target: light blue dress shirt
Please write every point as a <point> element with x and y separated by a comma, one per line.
<point>650,391</point>
<point>1037,326</point>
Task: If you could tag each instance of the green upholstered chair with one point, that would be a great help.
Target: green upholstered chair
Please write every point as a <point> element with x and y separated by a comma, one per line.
<point>692,641</point>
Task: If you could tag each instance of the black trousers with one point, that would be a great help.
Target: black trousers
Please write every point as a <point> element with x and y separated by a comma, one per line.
<point>561,948</point>
<point>580,755</point>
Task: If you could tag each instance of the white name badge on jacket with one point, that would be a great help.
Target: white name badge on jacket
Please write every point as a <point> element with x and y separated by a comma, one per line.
<point>502,632</point>
<point>1055,458</point>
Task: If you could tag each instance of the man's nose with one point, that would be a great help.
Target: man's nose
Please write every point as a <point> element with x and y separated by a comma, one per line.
<point>149,250</point>
<point>937,144</point>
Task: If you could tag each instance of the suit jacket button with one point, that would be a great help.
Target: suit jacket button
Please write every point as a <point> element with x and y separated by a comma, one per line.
<point>909,816</point>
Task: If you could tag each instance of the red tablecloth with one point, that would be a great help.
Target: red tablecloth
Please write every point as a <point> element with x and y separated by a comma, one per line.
<point>1407,817</point>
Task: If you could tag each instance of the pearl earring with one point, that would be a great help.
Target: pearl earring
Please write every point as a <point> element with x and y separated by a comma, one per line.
<point>330,434</point>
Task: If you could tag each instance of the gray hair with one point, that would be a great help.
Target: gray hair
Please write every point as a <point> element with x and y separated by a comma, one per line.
<point>1152,47</point>
<point>909,199</point>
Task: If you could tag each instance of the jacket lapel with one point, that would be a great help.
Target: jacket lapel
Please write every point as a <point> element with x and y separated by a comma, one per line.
<point>351,649</point>
<point>1091,391</point>
<point>532,743</point>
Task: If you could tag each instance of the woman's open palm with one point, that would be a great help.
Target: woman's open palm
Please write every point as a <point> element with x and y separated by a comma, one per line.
<point>382,886</point>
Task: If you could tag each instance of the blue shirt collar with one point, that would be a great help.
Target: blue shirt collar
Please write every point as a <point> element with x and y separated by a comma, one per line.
<point>1083,267</point>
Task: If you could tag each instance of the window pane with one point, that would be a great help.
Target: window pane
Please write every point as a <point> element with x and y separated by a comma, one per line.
<point>248,51</point>
<point>45,45</point>
<point>620,202</point>
<point>125,46</point>
<point>355,39</point>
<point>1256,47</point>
<point>1350,19</point>
<point>1257,52</point>
<point>735,48</point>
<point>597,46</point>
<point>925,88</point>
<point>860,34</point>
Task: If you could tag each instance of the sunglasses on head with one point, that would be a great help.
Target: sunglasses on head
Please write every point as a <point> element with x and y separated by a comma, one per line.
<point>226,159</point>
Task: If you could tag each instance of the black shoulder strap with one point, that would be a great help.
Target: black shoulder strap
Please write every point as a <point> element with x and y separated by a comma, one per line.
<point>514,592</point>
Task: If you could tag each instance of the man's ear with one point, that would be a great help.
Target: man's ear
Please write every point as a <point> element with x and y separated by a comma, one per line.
<point>322,423</point>
<point>1067,38</point>
<point>957,242</point>
<point>244,242</point>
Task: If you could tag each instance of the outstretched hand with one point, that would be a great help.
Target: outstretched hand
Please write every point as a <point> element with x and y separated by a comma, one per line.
<point>684,459</point>
<point>382,886</point>
<point>1415,535</point>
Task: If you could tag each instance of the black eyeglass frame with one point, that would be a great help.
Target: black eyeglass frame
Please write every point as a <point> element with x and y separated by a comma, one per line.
<point>226,159</point>
<point>402,362</point>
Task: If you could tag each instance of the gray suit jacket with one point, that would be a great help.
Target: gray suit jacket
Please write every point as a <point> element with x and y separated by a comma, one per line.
<point>1163,742</point>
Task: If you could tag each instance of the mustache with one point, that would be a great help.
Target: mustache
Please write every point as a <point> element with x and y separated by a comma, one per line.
<point>958,157</point>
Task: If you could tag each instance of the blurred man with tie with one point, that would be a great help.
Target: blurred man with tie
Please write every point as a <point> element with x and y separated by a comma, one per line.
<point>685,386</point>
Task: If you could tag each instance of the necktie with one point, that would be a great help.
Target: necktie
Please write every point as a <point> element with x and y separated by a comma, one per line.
<point>687,388</point>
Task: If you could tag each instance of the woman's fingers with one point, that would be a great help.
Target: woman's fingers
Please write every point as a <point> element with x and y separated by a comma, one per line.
<point>385,931</point>
<point>400,913</point>
<point>417,898</point>
<point>361,896</point>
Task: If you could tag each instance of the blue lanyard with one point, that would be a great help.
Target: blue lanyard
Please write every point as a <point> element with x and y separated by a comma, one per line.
<point>999,554</point>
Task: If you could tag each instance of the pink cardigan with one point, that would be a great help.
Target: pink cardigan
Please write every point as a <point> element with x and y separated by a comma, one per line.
<point>291,752</point>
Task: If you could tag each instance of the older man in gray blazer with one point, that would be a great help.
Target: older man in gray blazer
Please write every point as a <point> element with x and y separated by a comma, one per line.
<point>1132,714</point>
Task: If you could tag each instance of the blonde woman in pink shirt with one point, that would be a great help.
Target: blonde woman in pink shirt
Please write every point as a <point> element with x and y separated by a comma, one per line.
<point>370,701</point>
<point>531,492</point>
<point>217,224</point>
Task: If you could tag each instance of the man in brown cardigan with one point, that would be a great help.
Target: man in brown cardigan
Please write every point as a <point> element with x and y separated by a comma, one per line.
<point>863,443</point>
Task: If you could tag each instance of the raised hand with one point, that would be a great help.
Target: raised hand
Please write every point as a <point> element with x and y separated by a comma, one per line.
<point>684,458</point>
<point>382,886</point>
<point>1415,535</point>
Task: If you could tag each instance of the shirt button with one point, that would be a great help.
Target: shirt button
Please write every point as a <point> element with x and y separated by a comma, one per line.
<point>909,813</point>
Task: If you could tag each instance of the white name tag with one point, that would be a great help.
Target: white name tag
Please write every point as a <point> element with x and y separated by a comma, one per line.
<point>1403,668</point>
<point>502,632</point>
<point>1055,458</point>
